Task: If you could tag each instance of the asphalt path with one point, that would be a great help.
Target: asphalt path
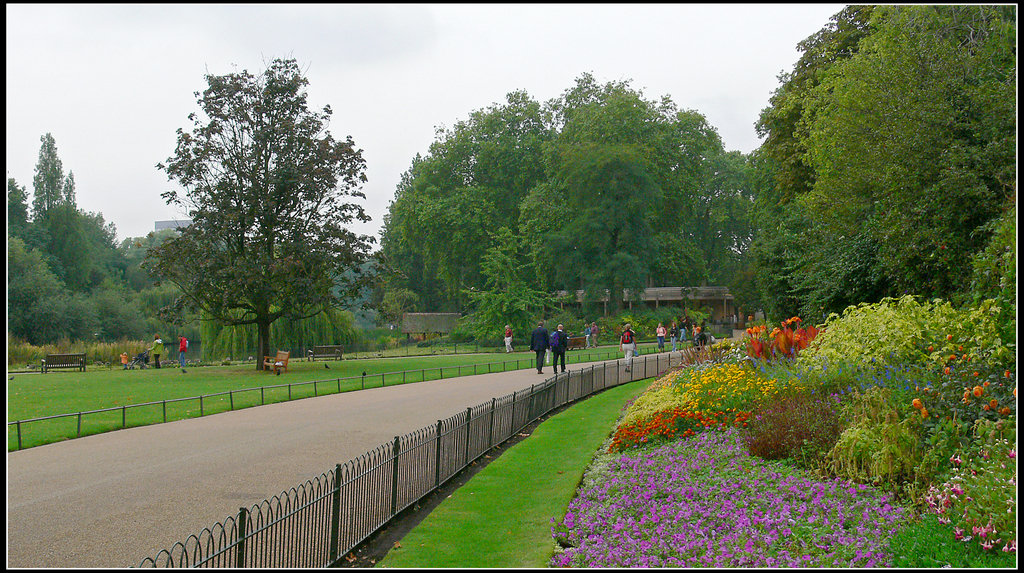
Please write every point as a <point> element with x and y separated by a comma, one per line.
<point>113,499</point>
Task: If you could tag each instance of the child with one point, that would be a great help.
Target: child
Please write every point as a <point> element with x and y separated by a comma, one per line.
<point>124,360</point>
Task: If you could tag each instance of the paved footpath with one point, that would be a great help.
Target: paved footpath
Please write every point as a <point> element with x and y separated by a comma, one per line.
<point>113,499</point>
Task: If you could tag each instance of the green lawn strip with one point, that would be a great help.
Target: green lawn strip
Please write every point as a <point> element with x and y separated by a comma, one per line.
<point>502,516</point>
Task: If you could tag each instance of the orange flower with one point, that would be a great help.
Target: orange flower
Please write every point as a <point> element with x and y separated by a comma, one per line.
<point>975,372</point>
<point>917,403</point>
<point>1005,411</point>
<point>930,348</point>
<point>978,391</point>
<point>949,337</point>
<point>945,370</point>
<point>967,395</point>
<point>924,412</point>
<point>986,408</point>
<point>1006,374</point>
<point>993,403</point>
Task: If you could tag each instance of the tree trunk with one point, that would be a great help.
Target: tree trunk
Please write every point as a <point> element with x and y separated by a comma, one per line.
<point>263,341</point>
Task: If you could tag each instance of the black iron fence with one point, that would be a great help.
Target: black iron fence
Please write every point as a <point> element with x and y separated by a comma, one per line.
<point>117,417</point>
<point>317,523</point>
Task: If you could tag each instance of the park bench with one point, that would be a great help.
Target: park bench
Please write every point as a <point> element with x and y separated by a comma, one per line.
<point>334,352</point>
<point>64,361</point>
<point>278,363</point>
<point>577,342</point>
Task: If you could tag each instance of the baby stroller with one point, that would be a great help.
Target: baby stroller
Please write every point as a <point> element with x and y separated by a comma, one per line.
<point>140,360</point>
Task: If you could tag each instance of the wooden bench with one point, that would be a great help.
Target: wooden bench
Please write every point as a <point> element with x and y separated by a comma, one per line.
<point>64,361</point>
<point>334,352</point>
<point>278,363</point>
<point>577,342</point>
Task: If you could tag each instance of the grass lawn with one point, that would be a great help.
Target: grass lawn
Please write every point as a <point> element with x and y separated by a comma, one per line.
<point>34,395</point>
<point>502,516</point>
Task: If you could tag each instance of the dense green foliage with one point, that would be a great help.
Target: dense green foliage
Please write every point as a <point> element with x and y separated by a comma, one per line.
<point>891,151</point>
<point>603,189</point>
<point>68,279</point>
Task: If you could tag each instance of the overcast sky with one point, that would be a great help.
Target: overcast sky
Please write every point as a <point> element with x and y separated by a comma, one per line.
<point>113,83</point>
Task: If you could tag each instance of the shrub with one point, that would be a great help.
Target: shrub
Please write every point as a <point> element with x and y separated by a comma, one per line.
<point>904,331</point>
<point>802,426</point>
<point>878,445</point>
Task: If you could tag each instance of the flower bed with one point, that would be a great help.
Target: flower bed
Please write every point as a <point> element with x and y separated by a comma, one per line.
<point>705,502</point>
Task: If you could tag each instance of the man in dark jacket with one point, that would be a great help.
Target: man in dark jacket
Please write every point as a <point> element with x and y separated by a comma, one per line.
<point>539,344</point>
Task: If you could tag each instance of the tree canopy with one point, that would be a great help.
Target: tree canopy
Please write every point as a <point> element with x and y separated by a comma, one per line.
<point>270,192</point>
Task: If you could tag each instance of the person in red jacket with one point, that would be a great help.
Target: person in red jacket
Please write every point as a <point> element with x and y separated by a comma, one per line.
<point>182,348</point>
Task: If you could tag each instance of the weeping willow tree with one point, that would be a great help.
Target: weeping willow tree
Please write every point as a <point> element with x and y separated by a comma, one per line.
<point>222,340</point>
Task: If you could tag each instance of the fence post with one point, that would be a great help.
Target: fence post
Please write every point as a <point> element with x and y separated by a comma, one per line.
<point>231,400</point>
<point>437,456</point>
<point>394,476</point>
<point>469,415</point>
<point>19,434</point>
<point>200,405</point>
<point>335,514</point>
<point>240,554</point>
<point>490,433</point>
<point>529,405</point>
<point>165,411</point>
<point>79,424</point>
<point>124,417</point>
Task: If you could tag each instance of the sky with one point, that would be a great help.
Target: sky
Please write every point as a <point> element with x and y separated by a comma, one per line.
<point>114,82</point>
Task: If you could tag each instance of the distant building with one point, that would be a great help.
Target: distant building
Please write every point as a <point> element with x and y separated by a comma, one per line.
<point>175,224</point>
<point>723,309</point>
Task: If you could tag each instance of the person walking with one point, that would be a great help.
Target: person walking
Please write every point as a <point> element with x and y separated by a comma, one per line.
<point>539,344</point>
<point>661,332</point>
<point>586,332</point>
<point>156,350</point>
<point>627,344</point>
<point>559,342</point>
<point>593,334</point>
<point>508,339</point>
<point>673,332</point>
<point>684,329</point>
<point>124,360</point>
<point>182,349</point>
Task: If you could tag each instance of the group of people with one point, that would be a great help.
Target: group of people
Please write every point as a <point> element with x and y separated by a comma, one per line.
<point>682,330</point>
<point>557,342</point>
<point>157,349</point>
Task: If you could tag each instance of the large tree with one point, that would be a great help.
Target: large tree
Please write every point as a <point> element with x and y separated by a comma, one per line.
<point>269,190</point>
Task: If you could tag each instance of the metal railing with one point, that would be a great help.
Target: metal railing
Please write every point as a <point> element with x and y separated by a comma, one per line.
<point>317,523</point>
<point>319,387</point>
